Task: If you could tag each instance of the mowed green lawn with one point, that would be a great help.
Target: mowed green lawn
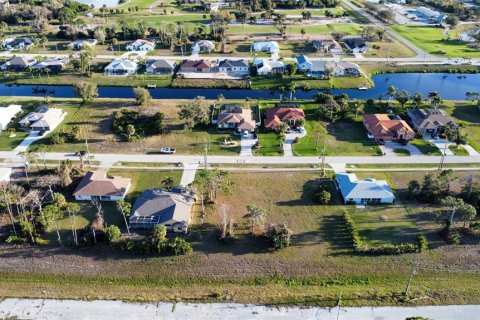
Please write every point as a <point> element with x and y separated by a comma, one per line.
<point>431,39</point>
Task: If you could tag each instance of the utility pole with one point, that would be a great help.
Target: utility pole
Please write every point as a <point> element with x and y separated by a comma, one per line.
<point>412,273</point>
<point>323,160</point>
<point>338,305</point>
<point>442,160</point>
<point>470,186</point>
<point>207,146</point>
<point>88,152</point>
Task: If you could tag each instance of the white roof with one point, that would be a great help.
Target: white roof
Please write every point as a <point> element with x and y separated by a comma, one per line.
<point>271,46</point>
<point>5,174</point>
<point>7,114</point>
<point>42,117</point>
<point>352,188</point>
<point>122,64</point>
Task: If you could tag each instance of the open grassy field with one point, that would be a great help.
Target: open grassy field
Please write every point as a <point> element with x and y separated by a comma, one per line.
<point>95,120</point>
<point>432,40</point>
<point>469,115</point>
<point>315,269</point>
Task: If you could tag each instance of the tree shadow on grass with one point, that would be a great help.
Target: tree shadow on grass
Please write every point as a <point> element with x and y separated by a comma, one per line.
<point>336,234</point>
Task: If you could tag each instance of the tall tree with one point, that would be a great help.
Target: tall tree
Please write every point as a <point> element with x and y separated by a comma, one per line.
<point>256,216</point>
<point>142,96</point>
<point>87,91</point>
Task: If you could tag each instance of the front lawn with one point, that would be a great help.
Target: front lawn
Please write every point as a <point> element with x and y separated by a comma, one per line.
<point>426,147</point>
<point>458,150</point>
<point>433,40</point>
<point>269,145</point>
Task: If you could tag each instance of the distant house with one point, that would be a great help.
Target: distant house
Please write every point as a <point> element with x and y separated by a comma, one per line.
<point>303,64</point>
<point>356,45</point>
<point>21,43</point>
<point>96,185</point>
<point>328,46</point>
<point>43,118</point>
<point>368,191</point>
<point>5,174</point>
<point>240,67</point>
<point>18,64</point>
<point>343,69</point>
<point>383,128</point>
<point>53,65</point>
<point>171,208</point>
<point>233,116</point>
<point>430,121</point>
<point>141,45</point>
<point>266,46</point>
<point>196,66</point>
<point>318,69</point>
<point>160,66</point>
<point>7,114</point>
<point>121,67</point>
<point>203,46</point>
<point>431,14</point>
<point>280,114</point>
<point>81,43</point>
<point>269,67</point>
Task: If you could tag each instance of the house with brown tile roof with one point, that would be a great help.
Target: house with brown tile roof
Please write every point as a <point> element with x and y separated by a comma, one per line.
<point>276,116</point>
<point>385,128</point>
<point>233,116</point>
<point>96,185</point>
<point>196,66</point>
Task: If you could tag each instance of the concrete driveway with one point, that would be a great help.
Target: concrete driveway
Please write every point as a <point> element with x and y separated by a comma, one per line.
<point>440,144</point>
<point>287,145</point>
<point>389,147</point>
<point>246,145</point>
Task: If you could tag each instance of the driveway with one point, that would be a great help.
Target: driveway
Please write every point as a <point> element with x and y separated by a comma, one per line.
<point>440,144</point>
<point>287,145</point>
<point>189,172</point>
<point>246,145</point>
<point>390,146</point>
<point>471,150</point>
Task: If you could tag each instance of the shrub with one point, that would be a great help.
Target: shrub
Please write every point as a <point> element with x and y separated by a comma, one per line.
<point>279,235</point>
<point>16,240</point>
<point>322,197</point>
<point>422,242</point>
<point>113,232</point>
<point>180,247</point>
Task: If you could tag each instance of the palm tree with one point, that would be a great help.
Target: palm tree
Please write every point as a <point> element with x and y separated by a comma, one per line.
<point>435,98</point>
<point>391,91</point>
<point>167,183</point>
<point>282,90</point>
<point>291,89</point>
<point>417,99</point>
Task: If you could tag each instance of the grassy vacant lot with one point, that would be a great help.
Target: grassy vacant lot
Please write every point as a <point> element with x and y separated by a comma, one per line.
<point>432,40</point>
<point>95,120</point>
<point>389,49</point>
<point>469,115</point>
<point>314,270</point>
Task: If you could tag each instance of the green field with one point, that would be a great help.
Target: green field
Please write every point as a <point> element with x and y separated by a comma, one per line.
<point>432,40</point>
<point>314,270</point>
<point>270,145</point>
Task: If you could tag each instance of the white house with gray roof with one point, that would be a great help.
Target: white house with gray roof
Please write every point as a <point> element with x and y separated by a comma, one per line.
<point>160,66</point>
<point>121,67</point>
<point>43,118</point>
<point>367,191</point>
<point>234,66</point>
<point>171,208</point>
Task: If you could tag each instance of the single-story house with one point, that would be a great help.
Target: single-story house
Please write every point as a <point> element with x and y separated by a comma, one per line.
<point>203,46</point>
<point>5,174</point>
<point>18,64</point>
<point>431,14</point>
<point>356,45</point>
<point>53,65</point>
<point>96,185</point>
<point>121,67</point>
<point>430,121</point>
<point>233,116</point>
<point>269,67</point>
<point>384,128</point>
<point>43,118</point>
<point>327,46</point>
<point>367,191</point>
<point>318,69</point>
<point>21,43</point>
<point>343,69</point>
<point>280,114</point>
<point>266,46</point>
<point>171,208</point>
<point>196,66</point>
<point>303,64</point>
<point>234,66</point>
<point>141,45</point>
<point>160,66</point>
<point>7,114</point>
<point>81,43</point>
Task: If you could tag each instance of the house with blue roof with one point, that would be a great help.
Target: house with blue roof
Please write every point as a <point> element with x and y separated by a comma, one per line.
<point>304,65</point>
<point>367,191</point>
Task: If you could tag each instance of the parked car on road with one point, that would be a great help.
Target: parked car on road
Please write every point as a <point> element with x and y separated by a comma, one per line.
<point>168,150</point>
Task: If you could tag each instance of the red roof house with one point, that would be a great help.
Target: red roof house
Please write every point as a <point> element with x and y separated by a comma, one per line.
<point>276,116</point>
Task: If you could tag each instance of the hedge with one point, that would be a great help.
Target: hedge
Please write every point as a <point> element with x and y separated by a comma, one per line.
<point>387,249</point>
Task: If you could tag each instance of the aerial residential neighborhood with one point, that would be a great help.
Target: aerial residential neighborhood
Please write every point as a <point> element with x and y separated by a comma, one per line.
<point>240,160</point>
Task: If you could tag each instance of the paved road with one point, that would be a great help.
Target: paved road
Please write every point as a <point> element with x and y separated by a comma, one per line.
<point>40,309</point>
<point>11,156</point>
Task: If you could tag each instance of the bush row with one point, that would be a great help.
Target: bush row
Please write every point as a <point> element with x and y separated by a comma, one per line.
<point>177,246</point>
<point>439,69</point>
<point>387,249</point>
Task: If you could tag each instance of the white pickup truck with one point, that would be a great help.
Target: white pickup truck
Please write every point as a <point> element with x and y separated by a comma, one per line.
<point>168,150</point>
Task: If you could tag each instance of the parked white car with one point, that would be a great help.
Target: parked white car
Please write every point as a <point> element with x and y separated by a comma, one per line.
<point>168,150</point>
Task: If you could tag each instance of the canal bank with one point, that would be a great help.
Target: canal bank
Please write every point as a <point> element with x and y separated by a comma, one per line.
<point>450,86</point>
